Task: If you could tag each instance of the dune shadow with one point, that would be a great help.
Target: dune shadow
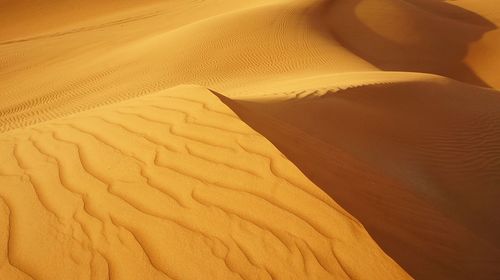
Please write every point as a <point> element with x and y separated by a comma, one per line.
<point>406,35</point>
<point>435,225</point>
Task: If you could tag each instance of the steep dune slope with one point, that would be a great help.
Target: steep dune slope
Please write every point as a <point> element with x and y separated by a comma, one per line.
<point>169,186</point>
<point>417,161</point>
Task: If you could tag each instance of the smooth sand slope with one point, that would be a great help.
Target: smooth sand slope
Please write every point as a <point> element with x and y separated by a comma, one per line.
<point>389,107</point>
<point>428,192</point>
<point>169,186</point>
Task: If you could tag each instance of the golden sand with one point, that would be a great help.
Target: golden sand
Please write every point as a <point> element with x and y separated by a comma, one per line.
<point>213,139</point>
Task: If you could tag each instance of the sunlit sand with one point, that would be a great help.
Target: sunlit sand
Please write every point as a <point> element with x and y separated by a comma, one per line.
<point>258,139</point>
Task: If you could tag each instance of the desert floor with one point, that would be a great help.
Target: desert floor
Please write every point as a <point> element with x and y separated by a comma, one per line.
<point>256,139</point>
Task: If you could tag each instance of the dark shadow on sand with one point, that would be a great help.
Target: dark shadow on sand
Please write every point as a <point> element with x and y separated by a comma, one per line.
<point>422,226</point>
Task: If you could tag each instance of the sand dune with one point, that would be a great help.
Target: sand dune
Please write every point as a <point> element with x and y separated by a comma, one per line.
<point>111,170</point>
<point>158,52</point>
<point>172,185</point>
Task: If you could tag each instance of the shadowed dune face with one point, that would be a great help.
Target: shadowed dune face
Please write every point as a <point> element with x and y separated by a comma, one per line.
<point>416,162</point>
<point>401,35</point>
<point>450,10</point>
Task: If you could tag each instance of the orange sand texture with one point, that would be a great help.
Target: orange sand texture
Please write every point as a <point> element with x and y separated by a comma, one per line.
<point>256,139</point>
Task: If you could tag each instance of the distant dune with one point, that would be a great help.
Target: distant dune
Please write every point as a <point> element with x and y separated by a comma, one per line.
<point>213,139</point>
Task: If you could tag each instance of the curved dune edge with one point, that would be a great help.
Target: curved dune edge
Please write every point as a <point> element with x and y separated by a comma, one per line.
<point>169,186</point>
